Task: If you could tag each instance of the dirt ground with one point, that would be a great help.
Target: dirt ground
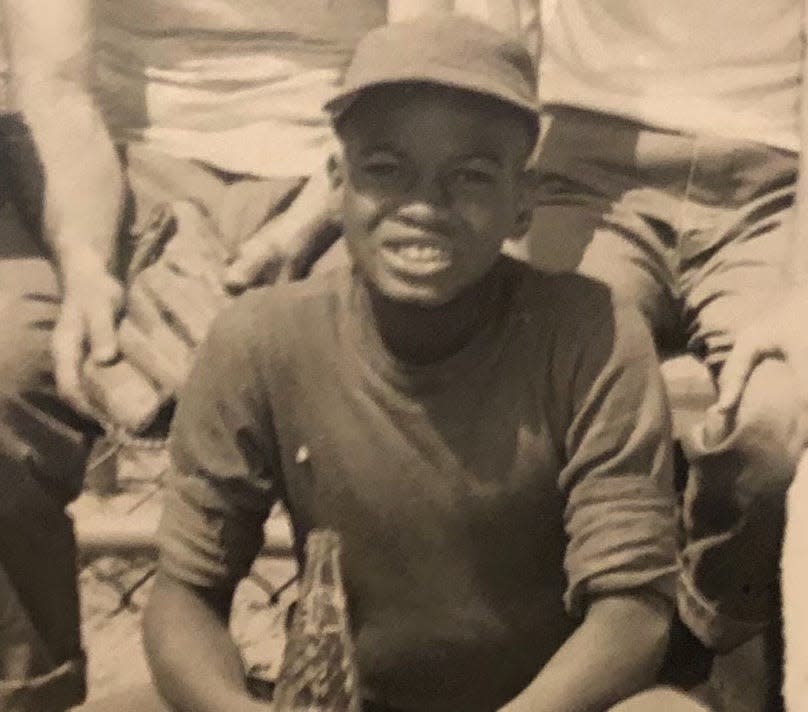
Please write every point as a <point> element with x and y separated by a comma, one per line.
<point>115,580</point>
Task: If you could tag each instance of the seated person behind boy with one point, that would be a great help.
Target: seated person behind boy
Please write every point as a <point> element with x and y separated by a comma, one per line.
<point>491,443</point>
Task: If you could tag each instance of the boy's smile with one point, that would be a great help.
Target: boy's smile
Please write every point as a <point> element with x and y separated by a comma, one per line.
<point>432,188</point>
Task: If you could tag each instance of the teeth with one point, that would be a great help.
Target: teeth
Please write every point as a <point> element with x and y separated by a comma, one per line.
<point>425,253</point>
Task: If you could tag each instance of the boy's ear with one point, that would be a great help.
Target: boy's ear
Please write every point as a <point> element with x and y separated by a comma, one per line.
<point>335,167</point>
<point>524,204</point>
<point>523,220</point>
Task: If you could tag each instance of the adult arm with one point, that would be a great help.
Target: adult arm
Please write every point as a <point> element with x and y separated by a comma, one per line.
<point>50,47</point>
<point>615,652</point>
<point>800,260</point>
<point>217,496</point>
<point>398,10</point>
<point>287,246</point>
<point>781,334</point>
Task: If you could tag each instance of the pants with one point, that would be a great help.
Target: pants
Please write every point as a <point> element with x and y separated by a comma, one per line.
<point>795,588</point>
<point>42,451</point>
<point>695,232</point>
<point>43,444</point>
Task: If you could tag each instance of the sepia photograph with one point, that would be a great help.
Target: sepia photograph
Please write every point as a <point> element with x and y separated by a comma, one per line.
<point>403,356</point>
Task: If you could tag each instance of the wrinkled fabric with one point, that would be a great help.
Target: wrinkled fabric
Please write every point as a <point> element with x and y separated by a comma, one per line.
<point>483,500</point>
<point>722,68</point>
<point>695,231</point>
<point>44,445</point>
<point>238,84</point>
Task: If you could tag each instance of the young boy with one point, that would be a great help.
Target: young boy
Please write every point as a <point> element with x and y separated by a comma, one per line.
<point>491,443</point>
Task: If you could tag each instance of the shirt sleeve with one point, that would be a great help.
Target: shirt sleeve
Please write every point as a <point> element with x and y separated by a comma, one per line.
<point>618,478</point>
<point>219,489</point>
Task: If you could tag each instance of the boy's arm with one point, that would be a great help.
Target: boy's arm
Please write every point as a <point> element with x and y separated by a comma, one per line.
<point>619,514</point>
<point>217,496</point>
<point>50,47</point>
<point>615,652</point>
<point>195,661</point>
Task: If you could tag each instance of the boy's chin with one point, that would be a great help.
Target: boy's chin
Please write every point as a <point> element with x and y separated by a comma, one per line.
<point>421,296</point>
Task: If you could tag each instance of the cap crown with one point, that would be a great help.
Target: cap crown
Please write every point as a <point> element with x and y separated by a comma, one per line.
<point>444,49</point>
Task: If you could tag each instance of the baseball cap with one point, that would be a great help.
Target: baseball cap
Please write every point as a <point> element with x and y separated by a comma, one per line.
<point>445,49</point>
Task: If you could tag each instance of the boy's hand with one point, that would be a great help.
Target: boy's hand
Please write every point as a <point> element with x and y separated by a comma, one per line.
<point>91,302</point>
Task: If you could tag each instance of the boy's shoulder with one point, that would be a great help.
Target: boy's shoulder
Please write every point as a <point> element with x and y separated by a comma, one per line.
<point>564,297</point>
<point>274,313</point>
<point>579,314</point>
<point>289,300</point>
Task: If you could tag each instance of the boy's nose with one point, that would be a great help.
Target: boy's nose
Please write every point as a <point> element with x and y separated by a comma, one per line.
<point>426,203</point>
<point>430,190</point>
<point>425,214</point>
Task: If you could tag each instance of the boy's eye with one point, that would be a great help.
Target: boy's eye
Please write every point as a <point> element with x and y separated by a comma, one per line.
<point>474,176</point>
<point>382,167</point>
<point>470,175</point>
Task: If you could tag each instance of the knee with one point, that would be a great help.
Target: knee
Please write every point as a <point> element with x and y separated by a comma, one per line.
<point>37,431</point>
<point>25,361</point>
<point>770,428</point>
<point>666,698</point>
<point>29,307</point>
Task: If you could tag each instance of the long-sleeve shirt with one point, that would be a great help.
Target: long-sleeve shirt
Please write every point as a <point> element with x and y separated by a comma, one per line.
<point>482,500</point>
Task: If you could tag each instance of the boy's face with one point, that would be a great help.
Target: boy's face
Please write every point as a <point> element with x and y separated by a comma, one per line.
<point>433,185</point>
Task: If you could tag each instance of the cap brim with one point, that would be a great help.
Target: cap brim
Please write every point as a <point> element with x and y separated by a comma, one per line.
<point>341,102</point>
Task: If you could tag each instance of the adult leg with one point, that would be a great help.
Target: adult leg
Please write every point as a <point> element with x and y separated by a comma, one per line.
<point>659,699</point>
<point>593,214</point>
<point>43,448</point>
<point>141,699</point>
<point>238,205</point>
<point>29,678</point>
<point>608,204</point>
<point>734,503</point>
<point>733,518</point>
<point>795,591</point>
<point>20,172</point>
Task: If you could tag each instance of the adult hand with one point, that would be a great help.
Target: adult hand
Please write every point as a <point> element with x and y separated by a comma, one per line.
<point>285,248</point>
<point>780,334</point>
<point>91,301</point>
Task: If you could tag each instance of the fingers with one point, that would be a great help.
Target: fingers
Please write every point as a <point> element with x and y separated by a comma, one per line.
<point>68,349</point>
<point>102,339</point>
<point>101,315</point>
<point>745,355</point>
<point>284,247</point>
<point>719,420</point>
<point>799,364</point>
<point>258,260</point>
<point>87,323</point>
<point>289,270</point>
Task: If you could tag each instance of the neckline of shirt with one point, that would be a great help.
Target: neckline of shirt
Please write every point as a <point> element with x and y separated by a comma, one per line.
<point>476,356</point>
